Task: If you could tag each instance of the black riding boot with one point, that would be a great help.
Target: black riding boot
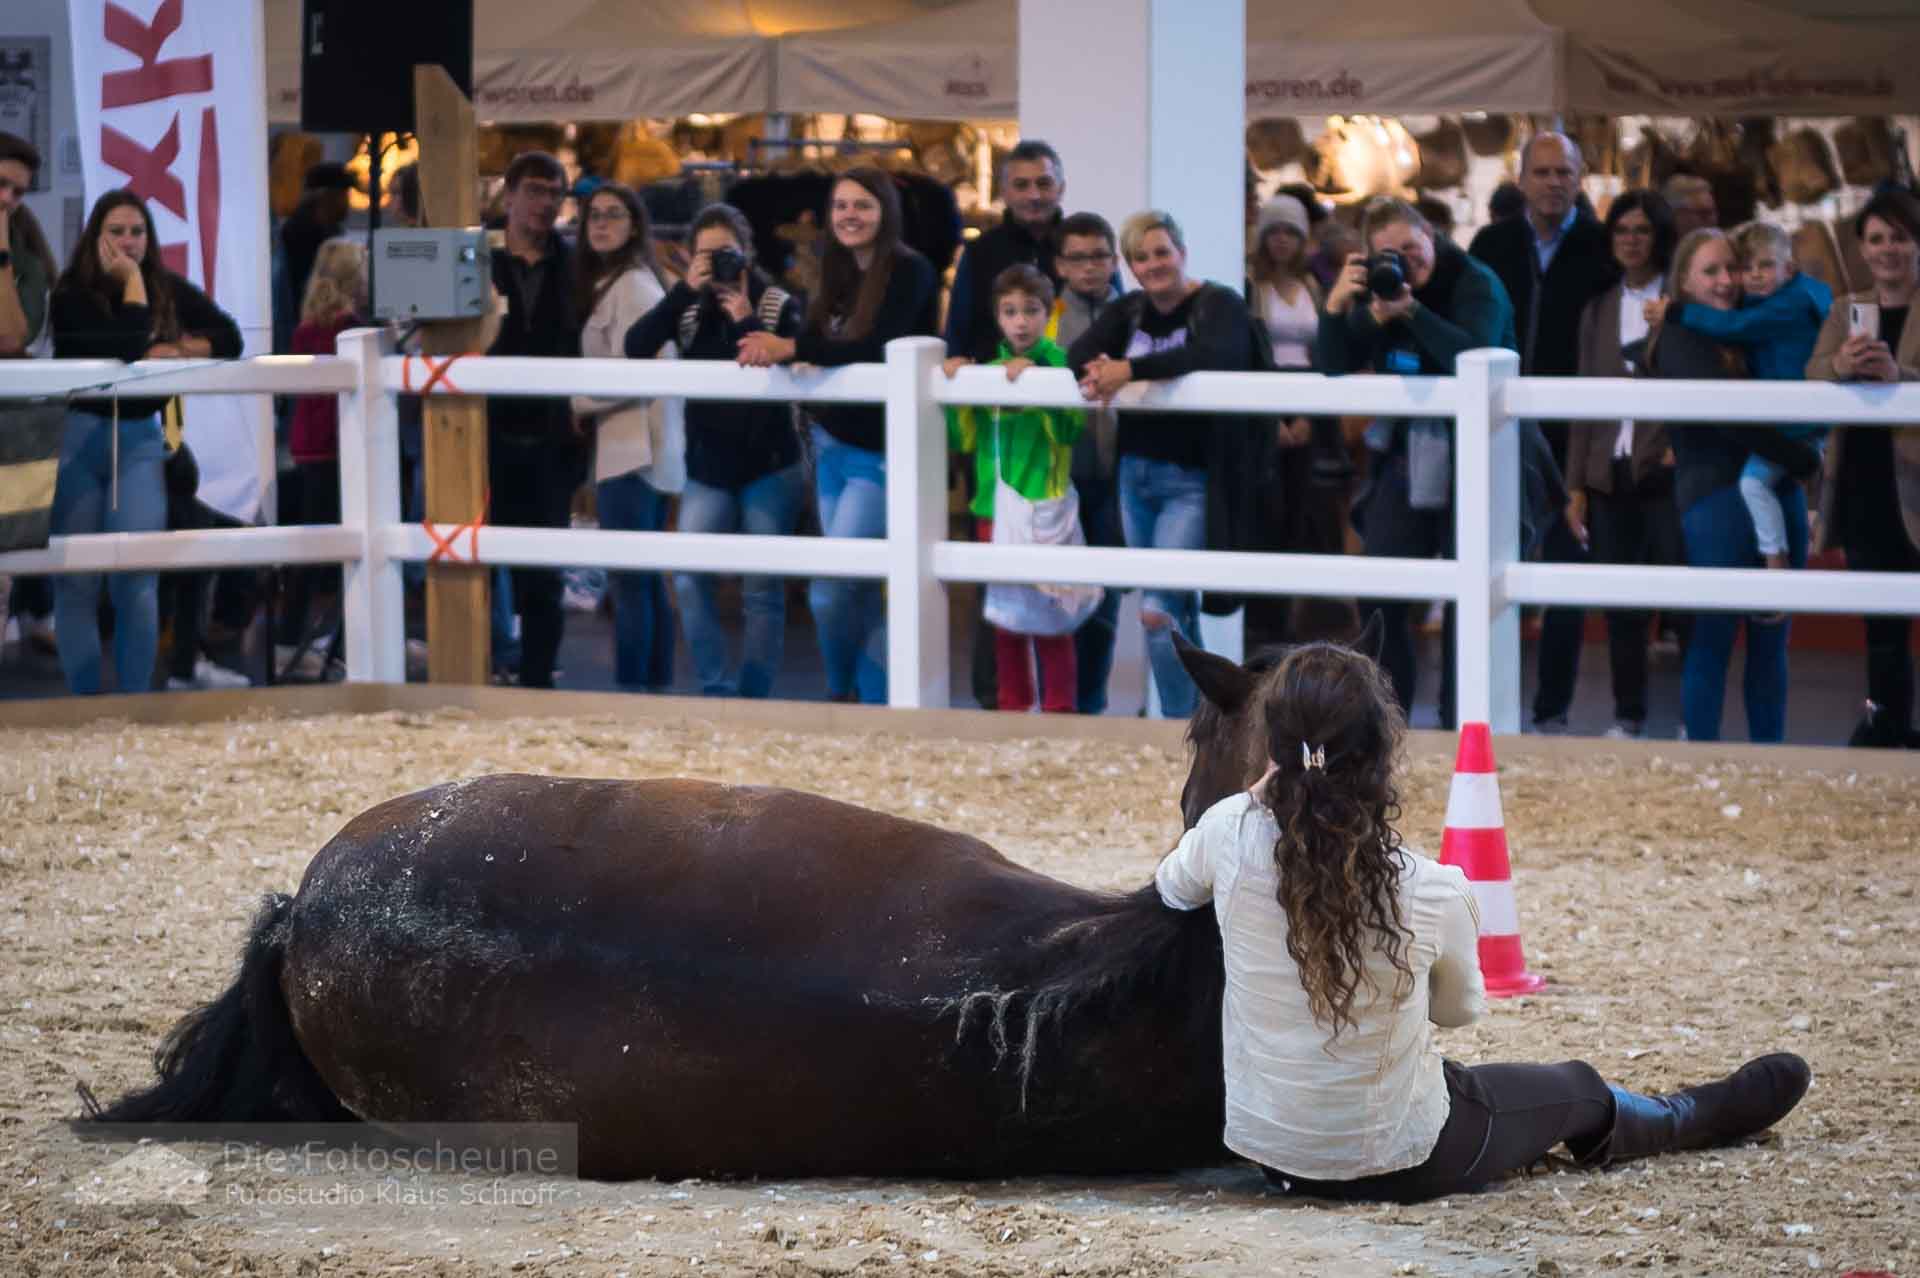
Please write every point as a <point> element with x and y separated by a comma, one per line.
<point>1744,1103</point>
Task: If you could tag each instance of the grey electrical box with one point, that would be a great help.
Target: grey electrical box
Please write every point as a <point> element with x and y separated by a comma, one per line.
<point>430,273</point>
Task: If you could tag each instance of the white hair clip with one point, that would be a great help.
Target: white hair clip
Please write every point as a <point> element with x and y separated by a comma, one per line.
<point>1312,758</point>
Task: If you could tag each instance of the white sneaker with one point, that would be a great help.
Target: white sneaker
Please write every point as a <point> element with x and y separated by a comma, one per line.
<point>176,684</point>
<point>1626,730</point>
<point>310,666</point>
<point>206,674</point>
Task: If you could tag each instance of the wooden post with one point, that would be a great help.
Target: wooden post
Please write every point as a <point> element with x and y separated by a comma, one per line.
<point>458,615</point>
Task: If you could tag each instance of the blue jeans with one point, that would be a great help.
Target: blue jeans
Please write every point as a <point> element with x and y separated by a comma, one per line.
<point>82,503</point>
<point>767,507</point>
<point>1164,505</point>
<point>1759,484</point>
<point>1719,534</point>
<point>850,485</point>
<point>642,617</point>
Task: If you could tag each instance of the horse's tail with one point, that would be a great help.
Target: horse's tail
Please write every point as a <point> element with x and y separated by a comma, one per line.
<point>234,1059</point>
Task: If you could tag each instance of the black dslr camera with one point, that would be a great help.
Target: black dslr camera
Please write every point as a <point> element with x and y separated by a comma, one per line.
<point>727,265</point>
<point>1387,274</point>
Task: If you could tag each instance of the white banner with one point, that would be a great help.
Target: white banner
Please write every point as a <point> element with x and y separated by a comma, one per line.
<point>168,96</point>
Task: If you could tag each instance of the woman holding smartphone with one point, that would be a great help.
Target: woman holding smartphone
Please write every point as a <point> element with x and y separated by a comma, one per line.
<point>1870,497</point>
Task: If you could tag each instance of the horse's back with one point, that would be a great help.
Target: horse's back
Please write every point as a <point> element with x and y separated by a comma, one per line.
<point>649,954</point>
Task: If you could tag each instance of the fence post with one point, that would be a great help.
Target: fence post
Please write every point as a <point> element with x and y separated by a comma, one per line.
<point>917,640</point>
<point>374,605</point>
<point>1486,514</point>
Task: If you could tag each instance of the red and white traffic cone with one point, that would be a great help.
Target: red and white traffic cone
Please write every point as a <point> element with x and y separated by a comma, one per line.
<point>1475,839</point>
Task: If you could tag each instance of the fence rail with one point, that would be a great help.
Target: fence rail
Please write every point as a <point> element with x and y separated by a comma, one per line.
<point>1486,579</point>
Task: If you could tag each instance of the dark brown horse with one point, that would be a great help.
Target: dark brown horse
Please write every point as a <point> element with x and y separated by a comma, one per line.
<point>727,980</point>
<point>713,980</point>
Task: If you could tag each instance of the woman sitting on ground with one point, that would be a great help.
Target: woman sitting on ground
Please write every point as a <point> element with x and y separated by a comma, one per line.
<point>1343,950</point>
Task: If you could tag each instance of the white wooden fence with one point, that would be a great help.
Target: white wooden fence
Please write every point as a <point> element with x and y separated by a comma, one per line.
<point>1486,578</point>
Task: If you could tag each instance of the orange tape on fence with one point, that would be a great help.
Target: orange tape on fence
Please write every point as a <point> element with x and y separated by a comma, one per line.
<point>446,547</point>
<point>436,370</point>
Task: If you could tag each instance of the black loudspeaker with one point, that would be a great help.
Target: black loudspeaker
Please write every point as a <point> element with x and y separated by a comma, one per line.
<point>357,59</point>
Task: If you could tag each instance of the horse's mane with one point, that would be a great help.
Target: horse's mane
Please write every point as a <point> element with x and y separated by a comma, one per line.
<point>1131,950</point>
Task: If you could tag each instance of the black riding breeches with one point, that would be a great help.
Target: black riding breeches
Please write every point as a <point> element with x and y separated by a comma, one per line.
<point>1500,1119</point>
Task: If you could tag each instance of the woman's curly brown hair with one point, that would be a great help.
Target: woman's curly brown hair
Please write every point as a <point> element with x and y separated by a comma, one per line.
<point>1339,855</point>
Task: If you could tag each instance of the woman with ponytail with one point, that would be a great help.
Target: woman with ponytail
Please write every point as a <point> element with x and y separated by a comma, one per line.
<point>1343,950</point>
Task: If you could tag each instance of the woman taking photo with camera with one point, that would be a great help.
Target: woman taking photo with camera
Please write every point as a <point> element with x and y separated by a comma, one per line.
<point>873,288</point>
<point>615,284</point>
<point>743,459</point>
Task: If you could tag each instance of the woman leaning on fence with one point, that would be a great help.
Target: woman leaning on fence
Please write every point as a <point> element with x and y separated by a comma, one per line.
<point>873,288</point>
<point>116,300</point>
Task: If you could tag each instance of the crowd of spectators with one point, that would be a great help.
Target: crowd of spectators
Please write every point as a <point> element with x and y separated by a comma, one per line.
<point>1654,288</point>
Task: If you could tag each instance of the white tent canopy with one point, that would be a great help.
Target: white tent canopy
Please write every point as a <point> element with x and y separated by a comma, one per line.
<point>1613,57</point>
<point>925,59</point>
<point>956,63</point>
<point>1608,57</point>
<point>542,60</point>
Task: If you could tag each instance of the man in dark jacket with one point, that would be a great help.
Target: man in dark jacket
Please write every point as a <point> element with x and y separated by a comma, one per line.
<point>1033,183</point>
<point>535,459</point>
<point>1449,303</point>
<point>1554,261</point>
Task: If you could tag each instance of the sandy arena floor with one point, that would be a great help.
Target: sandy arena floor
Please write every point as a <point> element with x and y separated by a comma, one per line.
<point>1688,916</point>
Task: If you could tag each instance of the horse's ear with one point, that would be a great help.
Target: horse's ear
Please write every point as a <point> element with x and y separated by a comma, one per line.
<point>1373,637</point>
<point>1220,681</point>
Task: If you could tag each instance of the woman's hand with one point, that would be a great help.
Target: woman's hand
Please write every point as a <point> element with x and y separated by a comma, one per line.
<point>1847,359</point>
<point>734,302</point>
<point>1017,366</point>
<point>115,263</point>
<point>1878,364</point>
<point>1104,378</point>
<point>1577,518</point>
<point>699,271</point>
<point>1349,284</point>
<point>953,364</point>
<point>1296,432</point>
<point>764,350</point>
<point>1654,310</point>
<point>165,350</point>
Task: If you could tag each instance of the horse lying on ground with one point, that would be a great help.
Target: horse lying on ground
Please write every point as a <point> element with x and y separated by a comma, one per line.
<point>721,980</point>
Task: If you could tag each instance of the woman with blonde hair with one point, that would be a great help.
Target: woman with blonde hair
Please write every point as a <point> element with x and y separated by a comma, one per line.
<point>1714,522</point>
<point>615,284</point>
<point>336,300</point>
<point>1173,324</point>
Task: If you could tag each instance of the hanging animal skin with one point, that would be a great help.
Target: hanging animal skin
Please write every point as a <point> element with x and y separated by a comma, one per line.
<point>1361,156</point>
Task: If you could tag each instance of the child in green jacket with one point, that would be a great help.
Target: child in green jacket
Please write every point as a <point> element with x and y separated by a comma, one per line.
<point>1034,456</point>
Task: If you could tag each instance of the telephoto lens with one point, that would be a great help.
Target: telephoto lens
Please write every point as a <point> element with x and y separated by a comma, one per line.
<point>1386,274</point>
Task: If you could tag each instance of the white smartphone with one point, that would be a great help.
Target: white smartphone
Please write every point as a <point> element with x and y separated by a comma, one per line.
<point>1863,320</point>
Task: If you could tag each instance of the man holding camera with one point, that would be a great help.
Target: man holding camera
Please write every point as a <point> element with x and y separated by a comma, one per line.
<point>1411,306</point>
